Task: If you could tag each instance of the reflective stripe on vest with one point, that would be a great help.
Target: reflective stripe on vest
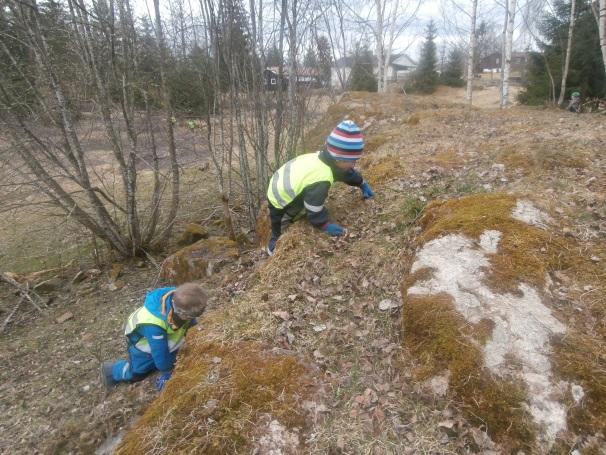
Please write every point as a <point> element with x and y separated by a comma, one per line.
<point>292,178</point>
<point>143,316</point>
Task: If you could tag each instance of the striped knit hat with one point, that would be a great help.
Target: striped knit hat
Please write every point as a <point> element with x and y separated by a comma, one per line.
<point>345,142</point>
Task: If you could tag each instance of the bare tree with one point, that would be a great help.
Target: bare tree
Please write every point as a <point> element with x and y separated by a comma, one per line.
<point>568,50</point>
<point>97,51</point>
<point>510,10</point>
<point>472,51</point>
<point>386,20</point>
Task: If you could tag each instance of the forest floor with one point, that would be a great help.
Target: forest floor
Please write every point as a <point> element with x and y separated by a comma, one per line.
<point>334,301</point>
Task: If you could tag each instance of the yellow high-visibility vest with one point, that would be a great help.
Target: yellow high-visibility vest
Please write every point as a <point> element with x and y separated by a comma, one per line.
<point>143,316</point>
<point>292,178</point>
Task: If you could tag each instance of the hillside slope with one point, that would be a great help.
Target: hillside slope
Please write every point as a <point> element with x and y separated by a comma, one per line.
<point>307,352</point>
<point>334,306</point>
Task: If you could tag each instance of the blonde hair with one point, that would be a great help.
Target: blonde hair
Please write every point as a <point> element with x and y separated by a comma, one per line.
<point>189,300</point>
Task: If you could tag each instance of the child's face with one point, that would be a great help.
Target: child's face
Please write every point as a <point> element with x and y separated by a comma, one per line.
<point>345,165</point>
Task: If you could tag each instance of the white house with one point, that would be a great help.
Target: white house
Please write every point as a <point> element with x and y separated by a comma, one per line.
<point>400,65</point>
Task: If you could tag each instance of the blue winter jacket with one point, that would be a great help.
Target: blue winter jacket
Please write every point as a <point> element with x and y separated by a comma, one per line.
<point>156,336</point>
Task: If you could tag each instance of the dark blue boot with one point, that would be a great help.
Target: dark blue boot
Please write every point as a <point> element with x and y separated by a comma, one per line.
<point>271,245</point>
<point>107,378</point>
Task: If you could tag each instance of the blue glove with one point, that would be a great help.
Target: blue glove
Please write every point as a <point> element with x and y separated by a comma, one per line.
<point>333,229</point>
<point>367,191</point>
<point>162,380</point>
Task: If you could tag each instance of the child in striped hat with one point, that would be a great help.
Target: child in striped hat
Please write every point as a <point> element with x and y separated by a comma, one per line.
<point>301,185</point>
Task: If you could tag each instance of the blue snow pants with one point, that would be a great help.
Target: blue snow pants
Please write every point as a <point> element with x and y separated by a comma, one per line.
<point>138,365</point>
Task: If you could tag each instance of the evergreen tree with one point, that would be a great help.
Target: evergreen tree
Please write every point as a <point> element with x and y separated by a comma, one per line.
<point>426,77</point>
<point>310,60</point>
<point>362,77</point>
<point>191,84</point>
<point>586,73</point>
<point>453,70</point>
<point>273,57</point>
<point>324,59</point>
<point>233,43</point>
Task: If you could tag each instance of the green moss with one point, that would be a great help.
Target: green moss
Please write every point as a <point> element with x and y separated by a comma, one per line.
<point>582,359</point>
<point>441,339</point>
<point>190,263</point>
<point>378,171</point>
<point>217,396</point>
<point>525,252</point>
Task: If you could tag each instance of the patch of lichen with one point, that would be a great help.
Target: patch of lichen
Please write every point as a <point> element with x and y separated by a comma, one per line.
<point>525,253</point>
<point>581,359</point>
<point>441,339</point>
<point>218,394</point>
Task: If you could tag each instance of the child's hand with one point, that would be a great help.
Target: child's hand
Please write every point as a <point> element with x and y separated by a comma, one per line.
<point>333,229</point>
<point>367,191</point>
<point>162,379</point>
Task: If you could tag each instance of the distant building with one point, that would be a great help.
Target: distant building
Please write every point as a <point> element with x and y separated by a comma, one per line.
<point>400,66</point>
<point>304,77</point>
<point>492,63</point>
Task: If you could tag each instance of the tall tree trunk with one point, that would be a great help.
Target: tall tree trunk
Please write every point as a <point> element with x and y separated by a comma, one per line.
<point>293,137</point>
<point>379,48</point>
<point>601,16</point>
<point>172,152</point>
<point>573,4</point>
<point>390,40</point>
<point>471,52</point>
<point>511,11</point>
<point>280,100</point>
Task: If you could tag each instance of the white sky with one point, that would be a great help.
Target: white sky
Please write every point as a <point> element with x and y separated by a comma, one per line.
<point>452,24</point>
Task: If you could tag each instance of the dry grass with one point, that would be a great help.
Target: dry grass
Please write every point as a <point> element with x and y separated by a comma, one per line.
<point>368,110</point>
<point>525,253</point>
<point>378,170</point>
<point>218,396</point>
<point>27,244</point>
<point>544,157</point>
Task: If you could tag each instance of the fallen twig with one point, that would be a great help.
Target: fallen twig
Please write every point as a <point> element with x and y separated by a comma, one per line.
<point>27,294</point>
<point>10,316</point>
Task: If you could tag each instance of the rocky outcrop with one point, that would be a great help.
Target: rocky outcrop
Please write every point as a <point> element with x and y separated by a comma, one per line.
<point>477,310</point>
<point>199,260</point>
<point>192,233</point>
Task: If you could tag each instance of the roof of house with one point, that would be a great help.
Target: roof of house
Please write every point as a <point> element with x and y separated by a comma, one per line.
<point>402,60</point>
<point>300,71</point>
<point>398,59</point>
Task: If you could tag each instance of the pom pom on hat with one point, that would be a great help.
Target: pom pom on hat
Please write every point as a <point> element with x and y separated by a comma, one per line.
<point>345,142</point>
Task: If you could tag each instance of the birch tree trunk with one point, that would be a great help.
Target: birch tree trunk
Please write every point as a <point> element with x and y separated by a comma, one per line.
<point>388,48</point>
<point>472,52</point>
<point>280,100</point>
<point>568,50</point>
<point>172,152</point>
<point>511,11</point>
<point>379,48</point>
<point>600,16</point>
<point>292,80</point>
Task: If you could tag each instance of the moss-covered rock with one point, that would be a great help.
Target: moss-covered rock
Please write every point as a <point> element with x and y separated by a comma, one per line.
<point>192,233</point>
<point>199,260</point>
<point>476,304</point>
<point>227,398</point>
